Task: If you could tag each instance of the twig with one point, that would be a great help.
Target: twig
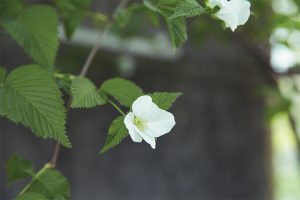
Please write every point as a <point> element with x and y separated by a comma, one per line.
<point>36,176</point>
<point>93,52</point>
<point>116,107</point>
<point>85,69</point>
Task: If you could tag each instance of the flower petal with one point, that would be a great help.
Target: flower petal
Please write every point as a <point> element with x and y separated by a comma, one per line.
<point>162,124</point>
<point>128,121</point>
<point>233,12</point>
<point>231,21</point>
<point>244,12</point>
<point>144,108</point>
<point>150,140</point>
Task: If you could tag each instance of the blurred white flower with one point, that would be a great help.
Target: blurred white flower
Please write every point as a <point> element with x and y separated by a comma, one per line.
<point>147,121</point>
<point>232,12</point>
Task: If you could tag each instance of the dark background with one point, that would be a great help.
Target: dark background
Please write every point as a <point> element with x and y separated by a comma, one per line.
<point>219,149</point>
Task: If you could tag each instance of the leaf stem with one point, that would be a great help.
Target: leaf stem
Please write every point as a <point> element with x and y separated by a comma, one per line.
<point>36,176</point>
<point>116,107</point>
<point>85,69</point>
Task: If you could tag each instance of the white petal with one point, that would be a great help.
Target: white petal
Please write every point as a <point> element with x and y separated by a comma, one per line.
<point>128,121</point>
<point>244,12</point>
<point>150,140</point>
<point>231,21</point>
<point>144,108</point>
<point>162,124</point>
<point>234,12</point>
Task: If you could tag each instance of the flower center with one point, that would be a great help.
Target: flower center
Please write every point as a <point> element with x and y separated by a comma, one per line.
<point>139,123</point>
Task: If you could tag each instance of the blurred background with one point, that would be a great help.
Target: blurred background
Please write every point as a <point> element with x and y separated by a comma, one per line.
<point>238,121</point>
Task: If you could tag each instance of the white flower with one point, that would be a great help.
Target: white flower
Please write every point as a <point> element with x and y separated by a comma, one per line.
<point>147,121</point>
<point>232,12</point>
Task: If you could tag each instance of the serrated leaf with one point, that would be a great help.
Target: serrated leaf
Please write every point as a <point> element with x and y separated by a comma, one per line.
<point>18,168</point>
<point>52,184</point>
<point>2,74</point>
<point>30,96</point>
<point>31,196</point>
<point>165,100</point>
<point>36,31</point>
<point>176,27</point>
<point>126,92</point>
<point>85,94</point>
<point>177,31</point>
<point>116,133</point>
<point>188,8</point>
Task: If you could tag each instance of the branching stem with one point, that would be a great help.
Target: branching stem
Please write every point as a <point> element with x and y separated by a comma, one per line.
<point>36,176</point>
<point>85,69</point>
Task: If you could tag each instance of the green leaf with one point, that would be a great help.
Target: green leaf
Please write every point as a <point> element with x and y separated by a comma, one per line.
<point>71,21</point>
<point>18,168</point>
<point>64,82</point>
<point>188,8</point>
<point>50,183</point>
<point>116,133</point>
<point>151,6</point>
<point>11,8</point>
<point>1,101</point>
<point>85,94</point>
<point>36,31</point>
<point>31,196</point>
<point>123,16</point>
<point>30,96</point>
<point>177,30</point>
<point>2,74</point>
<point>176,27</point>
<point>168,2</point>
<point>73,12</point>
<point>126,92</point>
<point>165,100</point>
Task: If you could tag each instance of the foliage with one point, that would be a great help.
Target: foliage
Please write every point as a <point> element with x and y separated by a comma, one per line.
<point>50,183</point>
<point>36,31</point>
<point>188,8</point>
<point>2,74</point>
<point>165,100</point>
<point>73,12</point>
<point>122,90</point>
<point>85,94</point>
<point>45,184</point>
<point>18,168</point>
<point>116,133</point>
<point>30,96</point>
<point>117,130</point>
<point>31,196</point>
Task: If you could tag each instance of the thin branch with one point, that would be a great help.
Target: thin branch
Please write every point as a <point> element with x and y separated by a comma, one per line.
<point>93,52</point>
<point>85,69</point>
<point>54,158</point>
<point>116,107</point>
<point>35,177</point>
